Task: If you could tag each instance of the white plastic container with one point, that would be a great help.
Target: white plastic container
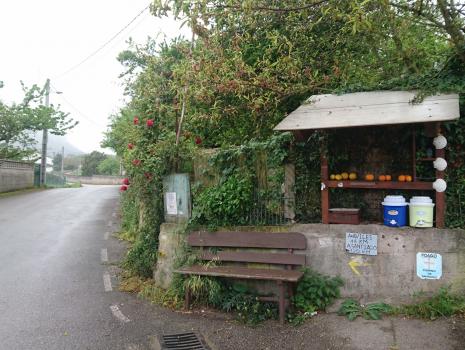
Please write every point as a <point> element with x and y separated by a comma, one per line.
<point>421,211</point>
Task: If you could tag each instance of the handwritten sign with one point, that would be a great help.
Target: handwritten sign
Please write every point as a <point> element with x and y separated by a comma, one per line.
<point>171,205</point>
<point>361,243</point>
<point>429,266</point>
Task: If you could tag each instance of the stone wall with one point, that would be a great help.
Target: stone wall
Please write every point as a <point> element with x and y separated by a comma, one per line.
<point>15,175</point>
<point>389,276</point>
<point>95,180</point>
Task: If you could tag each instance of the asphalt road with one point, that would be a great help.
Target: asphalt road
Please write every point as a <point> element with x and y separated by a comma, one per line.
<point>52,290</point>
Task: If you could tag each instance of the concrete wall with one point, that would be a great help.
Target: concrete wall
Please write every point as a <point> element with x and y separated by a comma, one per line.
<point>389,276</point>
<point>15,175</point>
<point>95,180</point>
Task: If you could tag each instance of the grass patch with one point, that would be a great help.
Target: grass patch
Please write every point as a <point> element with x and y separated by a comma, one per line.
<point>73,185</point>
<point>127,236</point>
<point>442,304</point>
<point>26,190</point>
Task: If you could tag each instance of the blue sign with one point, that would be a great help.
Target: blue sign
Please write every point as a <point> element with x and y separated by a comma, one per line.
<point>429,266</point>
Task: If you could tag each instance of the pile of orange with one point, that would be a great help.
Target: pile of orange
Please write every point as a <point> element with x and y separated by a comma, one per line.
<point>405,178</point>
<point>344,176</point>
<point>385,178</point>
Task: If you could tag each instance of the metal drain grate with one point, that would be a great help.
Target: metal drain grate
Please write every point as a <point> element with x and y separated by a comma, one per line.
<point>183,341</point>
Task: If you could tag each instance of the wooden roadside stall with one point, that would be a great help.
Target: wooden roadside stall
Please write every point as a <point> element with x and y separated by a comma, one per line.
<point>371,109</point>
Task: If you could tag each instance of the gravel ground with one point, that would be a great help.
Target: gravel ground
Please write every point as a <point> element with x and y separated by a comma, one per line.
<point>324,331</point>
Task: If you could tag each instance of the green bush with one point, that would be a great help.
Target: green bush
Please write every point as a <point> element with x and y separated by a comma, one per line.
<point>316,291</point>
<point>353,309</point>
<point>225,204</point>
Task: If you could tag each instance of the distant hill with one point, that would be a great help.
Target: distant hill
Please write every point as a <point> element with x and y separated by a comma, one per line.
<point>55,143</point>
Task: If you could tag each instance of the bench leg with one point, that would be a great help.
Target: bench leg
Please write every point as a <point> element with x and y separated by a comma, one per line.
<point>187,298</point>
<point>282,301</point>
<point>290,293</point>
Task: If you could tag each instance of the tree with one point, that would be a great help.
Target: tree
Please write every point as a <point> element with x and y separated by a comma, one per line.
<point>109,166</point>
<point>91,162</point>
<point>19,121</point>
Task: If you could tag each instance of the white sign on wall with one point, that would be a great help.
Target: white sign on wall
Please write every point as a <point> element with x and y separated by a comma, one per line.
<point>429,266</point>
<point>171,204</point>
<point>361,243</point>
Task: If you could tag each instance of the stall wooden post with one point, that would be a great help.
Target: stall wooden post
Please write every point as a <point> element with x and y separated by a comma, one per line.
<point>324,190</point>
<point>440,196</point>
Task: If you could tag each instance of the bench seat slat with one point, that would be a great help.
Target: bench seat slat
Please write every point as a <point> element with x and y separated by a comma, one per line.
<point>253,257</point>
<point>283,240</point>
<point>243,273</point>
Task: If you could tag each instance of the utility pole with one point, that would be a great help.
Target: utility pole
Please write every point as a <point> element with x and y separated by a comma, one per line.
<point>43,163</point>
<point>62,160</point>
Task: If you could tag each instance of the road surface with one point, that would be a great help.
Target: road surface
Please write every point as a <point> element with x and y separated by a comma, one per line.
<point>55,290</point>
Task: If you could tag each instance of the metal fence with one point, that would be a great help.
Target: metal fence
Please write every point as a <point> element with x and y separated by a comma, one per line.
<point>15,164</point>
<point>269,210</point>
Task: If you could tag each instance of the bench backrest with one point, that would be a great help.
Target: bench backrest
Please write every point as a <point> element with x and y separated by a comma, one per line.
<point>266,240</point>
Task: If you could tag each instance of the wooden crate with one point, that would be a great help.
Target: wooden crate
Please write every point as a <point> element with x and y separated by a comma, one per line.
<point>344,216</point>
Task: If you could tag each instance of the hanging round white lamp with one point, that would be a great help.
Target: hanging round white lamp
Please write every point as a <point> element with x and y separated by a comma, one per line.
<point>439,185</point>
<point>440,142</point>
<point>440,164</point>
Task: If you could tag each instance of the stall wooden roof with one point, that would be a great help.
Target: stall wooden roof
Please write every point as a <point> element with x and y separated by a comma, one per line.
<point>370,108</point>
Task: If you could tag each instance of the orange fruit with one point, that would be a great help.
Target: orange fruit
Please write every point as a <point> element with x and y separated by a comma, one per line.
<point>345,176</point>
<point>338,177</point>
<point>408,178</point>
<point>369,177</point>
<point>388,178</point>
<point>352,176</point>
<point>332,177</point>
<point>401,178</point>
<point>382,178</point>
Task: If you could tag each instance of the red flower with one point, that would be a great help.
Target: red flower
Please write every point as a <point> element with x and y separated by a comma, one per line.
<point>125,181</point>
<point>130,146</point>
<point>123,188</point>
<point>136,162</point>
<point>149,123</point>
<point>148,176</point>
<point>198,140</point>
<point>136,120</point>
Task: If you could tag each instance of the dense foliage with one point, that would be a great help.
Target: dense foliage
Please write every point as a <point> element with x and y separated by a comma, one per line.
<point>250,63</point>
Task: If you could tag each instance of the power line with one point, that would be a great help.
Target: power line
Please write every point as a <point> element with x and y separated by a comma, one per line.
<point>103,45</point>
<point>77,110</point>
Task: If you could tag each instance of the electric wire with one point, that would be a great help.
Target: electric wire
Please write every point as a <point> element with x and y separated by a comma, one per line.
<point>103,45</point>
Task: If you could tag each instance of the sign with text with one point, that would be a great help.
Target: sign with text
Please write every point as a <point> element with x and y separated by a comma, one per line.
<point>171,205</point>
<point>361,243</point>
<point>429,266</point>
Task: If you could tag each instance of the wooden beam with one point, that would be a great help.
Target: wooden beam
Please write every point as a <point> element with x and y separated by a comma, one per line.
<point>324,191</point>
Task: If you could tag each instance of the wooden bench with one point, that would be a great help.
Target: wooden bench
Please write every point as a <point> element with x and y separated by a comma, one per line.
<point>284,242</point>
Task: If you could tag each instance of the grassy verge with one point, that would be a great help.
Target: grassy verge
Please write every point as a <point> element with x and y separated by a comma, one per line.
<point>17,192</point>
<point>442,304</point>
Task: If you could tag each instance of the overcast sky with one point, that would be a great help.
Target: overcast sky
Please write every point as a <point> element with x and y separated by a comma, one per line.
<point>43,39</point>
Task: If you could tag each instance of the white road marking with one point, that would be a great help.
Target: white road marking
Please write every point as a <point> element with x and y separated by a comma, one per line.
<point>106,236</point>
<point>133,347</point>
<point>107,282</point>
<point>118,314</point>
<point>104,255</point>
